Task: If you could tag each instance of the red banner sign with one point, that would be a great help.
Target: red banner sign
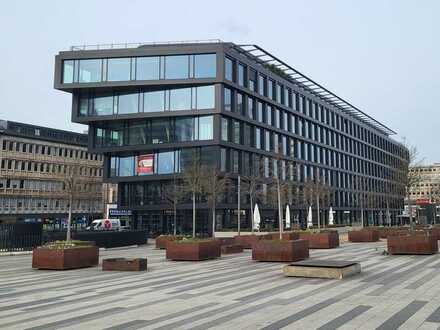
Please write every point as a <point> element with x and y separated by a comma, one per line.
<point>145,164</point>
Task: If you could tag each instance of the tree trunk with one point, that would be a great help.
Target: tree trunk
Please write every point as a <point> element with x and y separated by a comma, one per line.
<point>69,219</point>
<point>213,220</point>
<point>362,217</point>
<point>194,214</point>
<point>175,220</point>
<point>280,217</point>
<point>317,211</point>
<point>252,212</point>
<point>411,221</point>
<point>238,206</point>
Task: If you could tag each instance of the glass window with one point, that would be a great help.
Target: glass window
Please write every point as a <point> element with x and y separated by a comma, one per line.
<point>270,88</point>
<point>68,71</point>
<point>90,70</point>
<point>277,118</point>
<point>154,101</point>
<point>160,131</point>
<point>267,140</point>
<point>223,159</point>
<point>126,166</point>
<point>83,106</point>
<point>229,69</point>
<point>228,99</point>
<point>165,162</point>
<point>241,74</point>
<point>257,138</point>
<point>185,129</point>
<point>268,115</point>
<point>128,103</point>
<point>240,103</point>
<point>147,68</point>
<point>137,134</point>
<point>235,161</point>
<point>261,84</point>
<point>176,67</point>
<point>205,66</point>
<point>180,99</point>
<point>250,107</point>
<point>118,69</point>
<point>225,133</point>
<point>252,79</point>
<point>260,112</point>
<point>206,128</point>
<point>278,96</point>
<point>206,97</point>
<point>237,132</point>
<point>103,105</point>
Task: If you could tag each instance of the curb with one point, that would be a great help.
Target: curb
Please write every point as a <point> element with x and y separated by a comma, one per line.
<point>16,253</point>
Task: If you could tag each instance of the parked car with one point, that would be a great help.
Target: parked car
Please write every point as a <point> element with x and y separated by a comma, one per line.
<point>106,224</point>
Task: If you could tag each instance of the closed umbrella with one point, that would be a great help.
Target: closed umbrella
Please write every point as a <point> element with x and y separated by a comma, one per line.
<point>257,218</point>
<point>287,217</point>
<point>309,218</point>
<point>330,217</point>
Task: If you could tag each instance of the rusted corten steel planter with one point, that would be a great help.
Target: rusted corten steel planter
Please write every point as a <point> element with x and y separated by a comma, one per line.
<point>414,243</point>
<point>435,231</point>
<point>288,235</point>
<point>322,240</point>
<point>363,235</point>
<point>282,251</point>
<point>63,259</point>
<point>226,240</point>
<point>247,241</point>
<point>162,240</point>
<point>193,251</point>
<point>233,248</point>
<point>124,264</point>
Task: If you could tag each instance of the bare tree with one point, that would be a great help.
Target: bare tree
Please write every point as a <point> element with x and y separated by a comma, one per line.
<point>317,192</point>
<point>213,185</point>
<point>252,188</point>
<point>193,185</point>
<point>73,183</point>
<point>410,176</point>
<point>173,195</point>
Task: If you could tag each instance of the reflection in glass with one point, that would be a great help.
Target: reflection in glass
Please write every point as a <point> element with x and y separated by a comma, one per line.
<point>165,162</point>
<point>90,70</point>
<point>205,97</point>
<point>118,69</point>
<point>180,99</point>
<point>154,101</point>
<point>128,103</point>
<point>205,66</point>
<point>103,105</point>
<point>126,166</point>
<point>68,72</point>
<point>176,67</point>
<point>160,131</point>
<point>147,68</point>
<point>228,69</point>
<point>184,129</point>
<point>137,134</point>
<point>205,128</point>
<point>228,99</point>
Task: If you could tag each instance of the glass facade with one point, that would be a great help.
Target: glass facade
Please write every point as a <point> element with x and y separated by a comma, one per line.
<point>195,66</point>
<point>195,98</point>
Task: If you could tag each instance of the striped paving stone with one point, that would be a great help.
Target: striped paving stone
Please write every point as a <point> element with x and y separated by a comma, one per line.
<point>231,292</point>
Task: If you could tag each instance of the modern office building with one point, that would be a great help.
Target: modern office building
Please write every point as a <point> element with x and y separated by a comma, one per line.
<point>34,161</point>
<point>153,108</point>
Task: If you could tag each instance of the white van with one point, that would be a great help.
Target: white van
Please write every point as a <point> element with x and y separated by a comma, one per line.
<point>105,224</point>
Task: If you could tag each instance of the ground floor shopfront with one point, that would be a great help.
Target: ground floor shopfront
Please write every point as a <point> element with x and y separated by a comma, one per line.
<point>163,221</point>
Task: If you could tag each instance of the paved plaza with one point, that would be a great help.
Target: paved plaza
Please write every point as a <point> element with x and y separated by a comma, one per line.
<point>233,292</point>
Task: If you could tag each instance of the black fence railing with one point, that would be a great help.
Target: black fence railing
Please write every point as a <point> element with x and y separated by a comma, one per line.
<point>20,236</point>
<point>106,239</point>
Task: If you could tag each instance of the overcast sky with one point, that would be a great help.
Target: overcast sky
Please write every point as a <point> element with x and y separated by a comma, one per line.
<point>382,56</point>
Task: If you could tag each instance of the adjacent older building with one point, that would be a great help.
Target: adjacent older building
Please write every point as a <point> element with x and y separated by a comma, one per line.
<point>425,195</point>
<point>154,108</point>
<point>34,161</point>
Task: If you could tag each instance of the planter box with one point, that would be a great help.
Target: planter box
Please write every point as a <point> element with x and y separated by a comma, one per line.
<point>162,240</point>
<point>123,264</point>
<point>413,244</point>
<point>193,251</point>
<point>435,231</point>
<point>247,241</point>
<point>322,240</point>
<point>363,235</point>
<point>284,251</point>
<point>226,241</point>
<point>62,259</point>
<point>233,248</point>
<point>288,236</point>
